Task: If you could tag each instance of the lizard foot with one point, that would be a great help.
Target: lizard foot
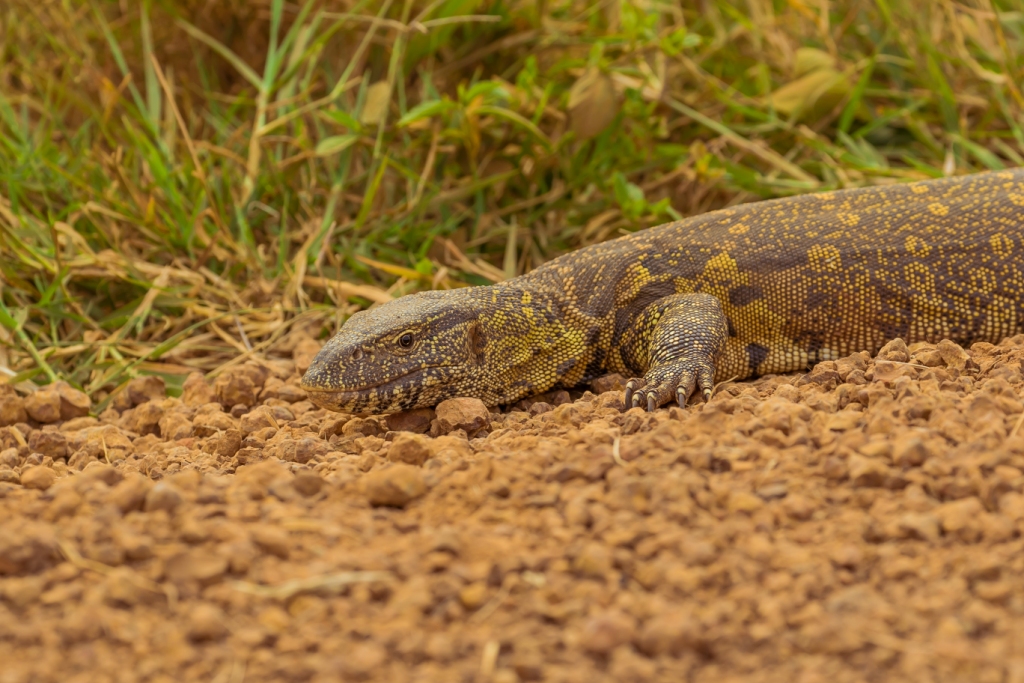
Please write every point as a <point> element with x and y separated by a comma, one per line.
<point>674,380</point>
<point>676,341</point>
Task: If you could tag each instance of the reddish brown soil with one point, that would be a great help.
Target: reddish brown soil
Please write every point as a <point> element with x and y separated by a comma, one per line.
<point>859,523</point>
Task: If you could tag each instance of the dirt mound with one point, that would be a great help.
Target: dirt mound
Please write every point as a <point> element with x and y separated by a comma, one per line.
<point>860,522</point>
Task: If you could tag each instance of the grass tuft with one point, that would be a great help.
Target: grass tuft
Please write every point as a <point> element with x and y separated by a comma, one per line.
<point>182,182</point>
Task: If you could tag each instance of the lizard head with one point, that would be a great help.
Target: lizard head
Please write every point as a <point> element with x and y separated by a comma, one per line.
<point>409,353</point>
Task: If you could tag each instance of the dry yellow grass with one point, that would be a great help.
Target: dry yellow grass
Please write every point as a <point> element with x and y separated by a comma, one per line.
<point>184,182</point>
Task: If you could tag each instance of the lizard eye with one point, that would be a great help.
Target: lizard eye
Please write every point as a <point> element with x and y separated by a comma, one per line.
<point>405,341</point>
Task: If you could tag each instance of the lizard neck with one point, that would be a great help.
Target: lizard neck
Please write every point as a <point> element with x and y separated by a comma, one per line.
<point>530,345</point>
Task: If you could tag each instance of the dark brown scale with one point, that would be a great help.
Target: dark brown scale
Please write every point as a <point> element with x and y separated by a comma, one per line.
<point>772,286</point>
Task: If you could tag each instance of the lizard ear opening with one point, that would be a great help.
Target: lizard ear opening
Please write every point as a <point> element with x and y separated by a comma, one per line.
<point>477,342</point>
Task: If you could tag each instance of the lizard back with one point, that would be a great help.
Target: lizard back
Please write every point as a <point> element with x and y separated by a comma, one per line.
<point>818,276</point>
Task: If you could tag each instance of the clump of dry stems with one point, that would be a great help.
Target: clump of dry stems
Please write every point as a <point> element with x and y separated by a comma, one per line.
<point>185,184</point>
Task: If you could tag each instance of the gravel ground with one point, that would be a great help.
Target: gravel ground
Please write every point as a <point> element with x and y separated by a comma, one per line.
<point>861,522</point>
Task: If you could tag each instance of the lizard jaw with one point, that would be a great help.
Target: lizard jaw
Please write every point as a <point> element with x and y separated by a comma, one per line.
<point>370,397</point>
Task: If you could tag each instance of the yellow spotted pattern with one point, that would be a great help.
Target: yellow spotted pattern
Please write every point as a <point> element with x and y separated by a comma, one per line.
<point>767,287</point>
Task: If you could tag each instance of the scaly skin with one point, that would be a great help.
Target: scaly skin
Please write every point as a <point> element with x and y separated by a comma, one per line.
<point>768,287</point>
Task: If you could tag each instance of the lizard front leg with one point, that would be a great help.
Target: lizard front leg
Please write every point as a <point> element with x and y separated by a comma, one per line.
<point>676,342</point>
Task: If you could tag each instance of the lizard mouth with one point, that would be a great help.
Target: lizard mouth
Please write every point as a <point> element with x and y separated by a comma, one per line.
<point>353,392</point>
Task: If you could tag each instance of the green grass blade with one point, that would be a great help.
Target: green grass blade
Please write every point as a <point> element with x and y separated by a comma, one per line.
<point>241,67</point>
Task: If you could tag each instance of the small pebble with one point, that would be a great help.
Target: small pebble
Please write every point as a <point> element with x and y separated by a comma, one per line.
<point>162,497</point>
<point>206,622</point>
<point>395,486</point>
<point>43,405</point>
<point>38,477</point>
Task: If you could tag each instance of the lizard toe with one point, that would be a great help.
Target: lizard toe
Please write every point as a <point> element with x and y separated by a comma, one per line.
<point>642,394</point>
<point>677,380</point>
<point>702,377</point>
<point>653,397</point>
<point>633,398</point>
<point>680,338</point>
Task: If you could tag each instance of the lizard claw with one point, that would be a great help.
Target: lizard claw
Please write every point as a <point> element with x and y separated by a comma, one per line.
<point>632,399</point>
<point>662,383</point>
<point>683,334</point>
<point>682,397</point>
<point>637,395</point>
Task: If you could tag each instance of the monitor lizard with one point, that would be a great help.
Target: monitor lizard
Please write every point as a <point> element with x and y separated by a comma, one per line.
<point>768,287</point>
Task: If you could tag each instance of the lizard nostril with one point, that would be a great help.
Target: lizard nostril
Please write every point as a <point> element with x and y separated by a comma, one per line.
<point>357,354</point>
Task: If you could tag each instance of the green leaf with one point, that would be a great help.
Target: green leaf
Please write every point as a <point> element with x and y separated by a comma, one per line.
<point>987,158</point>
<point>425,267</point>
<point>335,144</point>
<point>629,196</point>
<point>344,118</point>
<point>371,192</point>
<point>677,41</point>
<point>7,320</point>
<point>115,51</point>
<point>244,69</point>
<point>671,150</point>
<point>489,90</point>
<point>425,110</point>
<point>512,116</point>
<point>274,55</point>
<point>856,97</point>
<point>942,88</point>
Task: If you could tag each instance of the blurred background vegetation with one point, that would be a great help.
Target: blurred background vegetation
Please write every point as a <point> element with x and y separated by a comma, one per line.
<point>185,183</point>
